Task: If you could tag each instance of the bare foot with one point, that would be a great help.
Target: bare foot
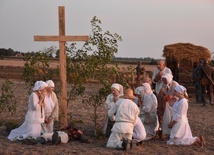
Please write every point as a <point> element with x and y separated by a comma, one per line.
<point>202,141</point>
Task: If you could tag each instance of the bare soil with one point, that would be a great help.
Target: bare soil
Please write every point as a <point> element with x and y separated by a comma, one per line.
<point>200,119</point>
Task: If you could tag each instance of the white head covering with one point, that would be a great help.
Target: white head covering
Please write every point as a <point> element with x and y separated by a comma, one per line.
<point>181,89</point>
<point>139,90</point>
<point>50,83</point>
<point>117,86</point>
<point>35,88</point>
<point>39,85</point>
<point>168,77</point>
<point>147,89</point>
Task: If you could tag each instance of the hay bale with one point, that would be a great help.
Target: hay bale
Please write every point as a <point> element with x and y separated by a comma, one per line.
<point>186,52</point>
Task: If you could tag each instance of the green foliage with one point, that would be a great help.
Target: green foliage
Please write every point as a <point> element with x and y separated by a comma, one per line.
<point>8,102</point>
<point>37,67</point>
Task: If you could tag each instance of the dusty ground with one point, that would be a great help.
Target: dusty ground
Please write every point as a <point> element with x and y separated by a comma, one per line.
<point>200,119</point>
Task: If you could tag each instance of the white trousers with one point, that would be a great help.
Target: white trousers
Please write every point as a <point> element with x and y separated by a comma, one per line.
<point>62,134</point>
<point>115,139</point>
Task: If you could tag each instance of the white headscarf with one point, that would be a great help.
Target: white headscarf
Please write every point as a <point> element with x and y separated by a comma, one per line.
<point>139,90</point>
<point>147,89</point>
<point>181,89</point>
<point>39,85</point>
<point>119,87</point>
<point>35,88</point>
<point>168,78</point>
<point>50,83</point>
<point>42,85</point>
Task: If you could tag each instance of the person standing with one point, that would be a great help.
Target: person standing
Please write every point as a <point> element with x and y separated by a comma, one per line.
<point>31,128</point>
<point>181,133</point>
<point>116,92</point>
<point>157,74</point>
<point>139,71</point>
<point>125,119</point>
<point>197,81</point>
<point>207,81</point>
<point>51,109</point>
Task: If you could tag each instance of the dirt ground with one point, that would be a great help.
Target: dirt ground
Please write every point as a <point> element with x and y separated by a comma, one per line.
<point>200,119</point>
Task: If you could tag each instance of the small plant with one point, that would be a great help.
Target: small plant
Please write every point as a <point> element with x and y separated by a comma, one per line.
<point>7,98</point>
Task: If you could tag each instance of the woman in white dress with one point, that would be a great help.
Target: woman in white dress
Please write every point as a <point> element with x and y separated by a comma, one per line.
<point>116,92</point>
<point>180,130</point>
<point>31,128</point>
<point>167,93</point>
<point>51,109</point>
<point>148,112</point>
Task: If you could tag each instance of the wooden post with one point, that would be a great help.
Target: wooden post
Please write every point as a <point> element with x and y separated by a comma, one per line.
<point>62,38</point>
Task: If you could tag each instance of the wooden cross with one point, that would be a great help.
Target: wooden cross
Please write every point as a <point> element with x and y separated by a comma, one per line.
<point>62,59</point>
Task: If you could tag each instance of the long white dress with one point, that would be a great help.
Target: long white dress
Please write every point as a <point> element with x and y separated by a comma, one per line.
<point>181,133</point>
<point>149,109</point>
<point>33,120</point>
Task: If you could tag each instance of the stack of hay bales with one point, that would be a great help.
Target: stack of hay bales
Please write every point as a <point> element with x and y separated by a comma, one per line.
<point>184,56</point>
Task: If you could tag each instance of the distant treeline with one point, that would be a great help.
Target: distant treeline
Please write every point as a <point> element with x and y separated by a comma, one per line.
<point>11,53</point>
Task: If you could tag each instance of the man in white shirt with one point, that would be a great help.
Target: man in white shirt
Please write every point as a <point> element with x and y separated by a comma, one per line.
<point>125,120</point>
<point>157,74</point>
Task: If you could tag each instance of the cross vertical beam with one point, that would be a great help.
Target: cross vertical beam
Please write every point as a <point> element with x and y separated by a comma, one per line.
<point>62,38</point>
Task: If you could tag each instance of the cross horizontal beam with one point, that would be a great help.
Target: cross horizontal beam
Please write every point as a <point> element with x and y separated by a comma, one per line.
<point>61,38</point>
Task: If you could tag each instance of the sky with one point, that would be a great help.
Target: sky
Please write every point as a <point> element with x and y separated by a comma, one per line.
<point>145,26</point>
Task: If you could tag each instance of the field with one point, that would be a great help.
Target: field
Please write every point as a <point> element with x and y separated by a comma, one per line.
<point>200,119</point>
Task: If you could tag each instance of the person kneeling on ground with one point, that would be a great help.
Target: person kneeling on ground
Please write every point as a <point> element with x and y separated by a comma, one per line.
<point>125,119</point>
<point>64,136</point>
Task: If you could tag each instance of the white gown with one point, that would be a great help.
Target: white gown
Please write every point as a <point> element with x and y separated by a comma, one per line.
<point>181,133</point>
<point>32,124</point>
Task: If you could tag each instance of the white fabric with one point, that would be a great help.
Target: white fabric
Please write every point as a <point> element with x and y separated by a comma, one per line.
<point>50,83</point>
<point>139,132</point>
<point>117,86</point>
<point>42,85</point>
<point>64,136</point>
<point>147,89</point>
<point>139,90</point>
<point>158,84</point>
<point>115,139</point>
<point>181,133</point>
<point>150,108</point>
<point>33,120</point>
<point>126,114</point>
<point>169,90</point>
<point>109,102</point>
<point>36,85</point>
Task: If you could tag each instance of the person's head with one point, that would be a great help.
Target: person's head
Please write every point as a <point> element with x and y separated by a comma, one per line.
<point>116,89</point>
<point>166,78</point>
<point>40,86</point>
<point>51,85</point>
<point>205,61</point>
<point>180,91</point>
<point>128,94</point>
<point>139,63</point>
<point>160,64</point>
<point>147,88</point>
<point>147,80</point>
<point>139,92</point>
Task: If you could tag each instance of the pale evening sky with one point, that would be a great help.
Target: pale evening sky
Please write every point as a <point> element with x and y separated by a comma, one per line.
<point>145,26</point>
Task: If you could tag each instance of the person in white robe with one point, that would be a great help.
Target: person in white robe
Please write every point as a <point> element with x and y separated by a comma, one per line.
<point>125,119</point>
<point>51,109</point>
<point>167,92</point>
<point>31,128</point>
<point>139,133</point>
<point>148,112</point>
<point>116,92</point>
<point>181,133</point>
<point>158,73</point>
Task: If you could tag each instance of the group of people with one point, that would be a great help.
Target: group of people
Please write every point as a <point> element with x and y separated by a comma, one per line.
<point>132,115</point>
<point>140,114</point>
<point>203,77</point>
<point>43,110</point>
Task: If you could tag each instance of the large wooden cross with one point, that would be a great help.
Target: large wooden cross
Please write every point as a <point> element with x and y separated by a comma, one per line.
<point>62,38</point>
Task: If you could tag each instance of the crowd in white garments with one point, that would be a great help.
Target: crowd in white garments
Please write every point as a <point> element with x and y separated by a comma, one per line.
<point>132,116</point>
